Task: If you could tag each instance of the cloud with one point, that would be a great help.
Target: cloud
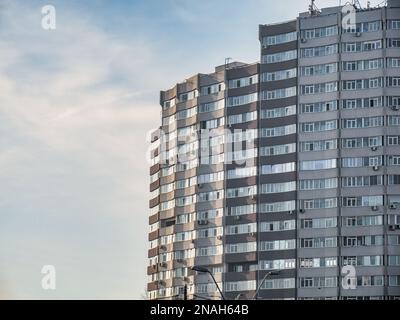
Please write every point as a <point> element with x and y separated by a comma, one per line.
<point>74,111</point>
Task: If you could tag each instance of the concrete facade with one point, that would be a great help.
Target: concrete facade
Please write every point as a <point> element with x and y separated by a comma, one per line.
<point>320,189</point>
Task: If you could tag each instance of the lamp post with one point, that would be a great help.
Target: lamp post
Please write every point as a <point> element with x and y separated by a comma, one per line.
<point>205,270</point>
<point>271,273</point>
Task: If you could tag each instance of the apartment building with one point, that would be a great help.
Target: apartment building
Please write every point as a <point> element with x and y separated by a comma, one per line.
<point>314,191</point>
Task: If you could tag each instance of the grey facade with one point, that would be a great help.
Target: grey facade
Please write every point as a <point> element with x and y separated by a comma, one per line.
<point>320,189</point>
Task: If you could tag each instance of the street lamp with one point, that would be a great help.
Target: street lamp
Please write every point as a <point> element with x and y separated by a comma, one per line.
<point>205,270</point>
<point>271,273</point>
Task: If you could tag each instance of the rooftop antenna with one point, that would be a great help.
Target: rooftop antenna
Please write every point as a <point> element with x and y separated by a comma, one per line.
<point>227,61</point>
<point>356,4</point>
<point>313,9</point>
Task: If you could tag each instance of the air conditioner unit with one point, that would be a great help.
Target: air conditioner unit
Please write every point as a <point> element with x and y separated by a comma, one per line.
<point>163,248</point>
<point>200,185</point>
<point>398,226</point>
<point>163,264</point>
<point>392,227</point>
<point>253,197</point>
<point>292,212</point>
<point>161,282</point>
<point>393,207</point>
<point>252,234</point>
<point>219,238</point>
<point>374,148</point>
<point>395,108</point>
<point>358,34</point>
<point>303,40</point>
<point>376,168</point>
<point>302,211</point>
<point>375,208</point>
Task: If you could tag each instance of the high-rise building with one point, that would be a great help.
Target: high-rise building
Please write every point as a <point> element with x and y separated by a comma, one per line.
<point>282,178</point>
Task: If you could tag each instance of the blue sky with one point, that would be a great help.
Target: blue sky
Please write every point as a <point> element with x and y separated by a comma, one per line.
<point>75,106</point>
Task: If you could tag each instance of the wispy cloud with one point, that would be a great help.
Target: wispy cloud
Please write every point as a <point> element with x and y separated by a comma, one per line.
<point>72,121</point>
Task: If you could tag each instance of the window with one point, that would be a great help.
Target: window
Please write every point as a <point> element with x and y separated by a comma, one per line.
<point>393,63</point>
<point>319,126</point>
<point>241,192</point>
<point>364,27</point>
<point>362,162</point>
<point>279,57</point>
<point>277,226</point>
<point>285,283</point>
<point>362,103</point>
<point>243,82</point>
<point>279,168</point>
<point>363,181</point>
<point>241,286</point>
<point>282,264</point>
<point>393,81</point>
<point>278,206</point>
<point>393,140</point>
<point>211,177</point>
<point>212,106</point>
<point>320,223</point>
<point>318,107</point>
<point>241,247</point>
<point>241,229</point>
<point>241,100</point>
<point>362,201</point>
<point>278,245</point>
<point>279,93</point>
<point>322,145</point>
<point>362,46</point>
<point>318,242</point>
<point>188,96</point>
<point>242,118</point>
<point>211,196</point>
<point>393,43</point>
<point>278,131</point>
<point>278,149</point>
<point>325,203</point>
<point>362,122</point>
<point>278,112</point>
<point>321,69</point>
<point>369,281</point>
<point>239,173</point>
<point>319,51</point>
<point>317,184</point>
<point>318,164</point>
<point>394,24</point>
<point>215,88</point>
<point>278,187</point>
<point>320,32</point>
<point>279,75</point>
<point>318,262</point>
<point>280,38</point>
<point>318,282</point>
<point>353,143</point>
<point>243,210</point>
<point>319,88</point>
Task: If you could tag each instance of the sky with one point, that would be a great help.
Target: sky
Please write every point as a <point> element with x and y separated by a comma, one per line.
<point>76,104</point>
